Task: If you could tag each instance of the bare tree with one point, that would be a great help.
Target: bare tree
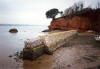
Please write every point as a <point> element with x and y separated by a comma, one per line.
<point>98,5</point>
<point>73,9</point>
<point>81,6</point>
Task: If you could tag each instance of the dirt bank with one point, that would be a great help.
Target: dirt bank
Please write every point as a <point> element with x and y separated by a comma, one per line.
<point>83,21</point>
<point>82,52</point>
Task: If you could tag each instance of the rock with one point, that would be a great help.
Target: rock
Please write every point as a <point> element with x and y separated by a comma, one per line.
<point>80,24</point>
<point>46,30</point>
<point>46,43</point>
<point>33,53</point>
<point>32,43</point>
<point>55,40</point>
<point>33,48</point>
<point>97,38</point>
<point>13,30</point>
<point>87,20</point>
<point>10,56</point>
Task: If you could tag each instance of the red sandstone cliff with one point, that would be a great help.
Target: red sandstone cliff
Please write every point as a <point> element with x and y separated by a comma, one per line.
<point>89,20</point>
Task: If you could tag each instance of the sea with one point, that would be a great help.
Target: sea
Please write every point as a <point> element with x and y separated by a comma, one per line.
<point>11,43</point>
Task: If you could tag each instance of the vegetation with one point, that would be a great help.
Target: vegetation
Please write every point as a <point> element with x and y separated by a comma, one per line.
<point>78,10</point>
<point>73,9</point>
<point>98,6</point>
<point>52,13</point>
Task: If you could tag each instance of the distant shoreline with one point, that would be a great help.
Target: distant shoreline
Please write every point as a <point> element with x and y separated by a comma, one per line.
<point>20,25</point>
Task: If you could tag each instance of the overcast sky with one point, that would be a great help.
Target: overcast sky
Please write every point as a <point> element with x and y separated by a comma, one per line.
<point>33,11</point>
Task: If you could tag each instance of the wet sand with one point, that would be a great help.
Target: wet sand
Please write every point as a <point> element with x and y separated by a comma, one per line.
<point>83,52</point>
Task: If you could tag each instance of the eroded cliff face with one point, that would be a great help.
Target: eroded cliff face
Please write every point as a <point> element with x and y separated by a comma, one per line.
<point>83,22</point>
<point>76,23</point>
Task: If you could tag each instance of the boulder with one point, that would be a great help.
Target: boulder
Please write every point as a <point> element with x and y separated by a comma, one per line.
<point>97,38</point>
<point>33,48</point>
<point>13,30</point>
<point>33,53</point>
<point>46,30</point>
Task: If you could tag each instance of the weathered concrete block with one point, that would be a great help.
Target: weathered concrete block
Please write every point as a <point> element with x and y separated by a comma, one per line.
<point>32,43</point>
<point>47,43</point>
<point>33,53</point>
<point>56,40</point>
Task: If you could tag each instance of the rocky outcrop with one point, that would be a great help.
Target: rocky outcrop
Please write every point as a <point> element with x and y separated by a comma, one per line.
<point>76,23</point>
<point>87,20</point>
<point>13,30</point>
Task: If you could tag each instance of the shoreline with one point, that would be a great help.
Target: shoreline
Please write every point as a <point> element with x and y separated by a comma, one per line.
<point>78,55</point>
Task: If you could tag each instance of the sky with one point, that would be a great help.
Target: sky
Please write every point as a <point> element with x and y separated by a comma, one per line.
<point>33,11</point>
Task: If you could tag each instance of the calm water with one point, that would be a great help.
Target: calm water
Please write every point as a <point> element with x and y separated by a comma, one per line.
<point>13,42</point>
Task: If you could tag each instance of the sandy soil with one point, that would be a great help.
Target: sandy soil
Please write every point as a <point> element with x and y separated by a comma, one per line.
<point>82,52</point>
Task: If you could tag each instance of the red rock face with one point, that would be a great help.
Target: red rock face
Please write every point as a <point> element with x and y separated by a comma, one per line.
<point>76,23</point>
<point>88,20</point>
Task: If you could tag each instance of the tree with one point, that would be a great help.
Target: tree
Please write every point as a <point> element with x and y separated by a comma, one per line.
<point>98,5</point>
<point>52,13</point>
<point>74,9</point>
